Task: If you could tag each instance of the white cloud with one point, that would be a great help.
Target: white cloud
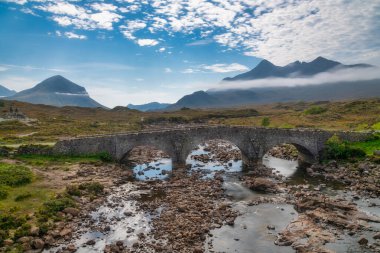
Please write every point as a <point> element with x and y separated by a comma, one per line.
<point>102,16</point>
<point>131,27</point>
<point>281,31</point>
<point>3,68</point>
<point>139,79</point>
<point>103,7</point>
<point>22,2</point>
<point>346,75</point>
<point>147,42</point>
<point>216,68</point>
<point>168,70</point>
<point>72,35</point>
<point>225,68</point>
<point>161,50</point>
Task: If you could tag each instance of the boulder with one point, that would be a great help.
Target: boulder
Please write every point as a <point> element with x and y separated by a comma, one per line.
<point>72,211</point>
<point>38,243</point>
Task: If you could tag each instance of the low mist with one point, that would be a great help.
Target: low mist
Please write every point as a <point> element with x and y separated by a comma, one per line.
<point>345,75</point>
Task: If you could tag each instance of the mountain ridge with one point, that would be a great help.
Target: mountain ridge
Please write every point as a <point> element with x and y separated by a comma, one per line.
<point>266,69</point>
<point>5,92</point>
<point>152,106</point>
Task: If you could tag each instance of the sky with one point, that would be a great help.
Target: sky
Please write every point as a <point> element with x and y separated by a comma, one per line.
<point>127,51</point>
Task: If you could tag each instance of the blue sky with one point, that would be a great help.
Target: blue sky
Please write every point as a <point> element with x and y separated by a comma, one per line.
<point>127,51</point>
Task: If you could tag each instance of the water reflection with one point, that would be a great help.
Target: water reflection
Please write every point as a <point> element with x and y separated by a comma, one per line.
<point>157,170</point>
<point>211,164</point>
<point>284,167</point>
<point>250,232</point>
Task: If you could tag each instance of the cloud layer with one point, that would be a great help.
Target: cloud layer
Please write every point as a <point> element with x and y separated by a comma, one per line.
<point>281,31</point>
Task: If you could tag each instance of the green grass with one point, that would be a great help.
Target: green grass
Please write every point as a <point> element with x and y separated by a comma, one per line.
<point>368,146</point>
<point>315,110</point>
<point>14,175</point>
<point>46,160</point>
<point>376,126</point>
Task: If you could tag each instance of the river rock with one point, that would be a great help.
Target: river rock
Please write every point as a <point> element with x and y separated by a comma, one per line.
<point>376,236</point>
<point>38,243</point>
<point>363,241</point>
<point>261,184</point>
<point>71,210</point>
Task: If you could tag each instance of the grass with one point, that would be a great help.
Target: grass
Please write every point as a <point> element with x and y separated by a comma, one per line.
<point>14,175</point>
<point>37,192</point>
<point>368,146</point>
<point>49,160</point>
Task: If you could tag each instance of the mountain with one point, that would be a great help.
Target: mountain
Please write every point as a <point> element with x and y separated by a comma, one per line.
<point>56,91</point>
<point>148,107</point>
<point>231,98</point>
<point>5,92</point>
<point>266,69</point>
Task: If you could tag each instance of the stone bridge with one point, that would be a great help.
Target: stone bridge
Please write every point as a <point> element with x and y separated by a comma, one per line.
<point>178,143</point>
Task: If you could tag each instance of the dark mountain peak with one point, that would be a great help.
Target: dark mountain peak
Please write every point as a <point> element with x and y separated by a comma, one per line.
<point>59,84</point>
<point>319,59</point>
<point>266,69</point>
<point>57,91</point>
<point>265,64</point>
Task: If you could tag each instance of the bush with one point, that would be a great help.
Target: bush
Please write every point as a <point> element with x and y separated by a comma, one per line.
<point>92,187</point>
<point>315,110</point>
<point>22,197</point>
<point>10,221</point>
<point>265,122</point>
<point>24,230</point>
<point>51,207</point>
<point>73,190</point>
<point>12,175</point>
<point>338,150</point>
<point>105,157</point>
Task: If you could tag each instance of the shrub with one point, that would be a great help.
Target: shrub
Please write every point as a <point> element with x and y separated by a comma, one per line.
<point>315,110</point>
<point>24,230</point>
<point>339,150</point>
<point>12,175</point>
<point>51,207</point>
<point>73,190</point>
<point>105,157</point>
<point>10,221</point>
<point>265,122</point>
<point>22,197</point>
<point>95,188</point>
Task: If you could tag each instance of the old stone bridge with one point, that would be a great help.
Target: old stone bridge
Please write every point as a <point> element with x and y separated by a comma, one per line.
<point>178,143</point>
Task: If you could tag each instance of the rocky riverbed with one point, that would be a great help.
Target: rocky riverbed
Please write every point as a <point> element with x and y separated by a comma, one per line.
<point>229,211</point>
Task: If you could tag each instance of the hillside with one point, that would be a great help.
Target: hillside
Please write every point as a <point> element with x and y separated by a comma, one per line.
<point>5,92</point>
<point>149,106</point>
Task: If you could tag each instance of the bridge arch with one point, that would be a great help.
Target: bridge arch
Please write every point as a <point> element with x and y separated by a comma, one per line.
<point>212,146</point>
<point>305,153</point>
